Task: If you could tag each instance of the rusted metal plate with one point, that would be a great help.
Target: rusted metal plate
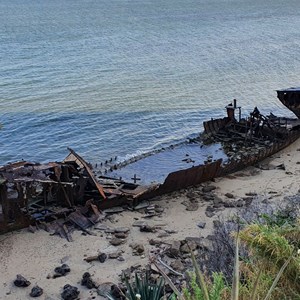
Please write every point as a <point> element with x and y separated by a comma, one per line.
<point>90,173</point>
<point>188,177</point>
<point>80,220</point>
<point>214,126</point>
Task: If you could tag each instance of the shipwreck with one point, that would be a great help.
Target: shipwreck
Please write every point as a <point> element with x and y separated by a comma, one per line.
<point>76,193</point>
<point>291,99</point>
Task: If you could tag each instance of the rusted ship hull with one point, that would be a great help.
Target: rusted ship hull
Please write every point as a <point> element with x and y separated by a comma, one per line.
<point>291,99</point>
<point>202,173</point>
<point>34,193</point>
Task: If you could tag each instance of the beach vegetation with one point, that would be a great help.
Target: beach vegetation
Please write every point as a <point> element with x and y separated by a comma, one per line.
<point>259,258</point>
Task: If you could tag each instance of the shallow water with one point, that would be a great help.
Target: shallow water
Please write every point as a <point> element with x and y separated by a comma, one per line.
<point>155,168</point>
<point>120,78</point>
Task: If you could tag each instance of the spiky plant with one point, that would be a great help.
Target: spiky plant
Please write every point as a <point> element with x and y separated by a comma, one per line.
<point>143,289</point>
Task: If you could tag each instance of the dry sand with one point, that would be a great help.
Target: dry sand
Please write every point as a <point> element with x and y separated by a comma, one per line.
<point>35,255</point>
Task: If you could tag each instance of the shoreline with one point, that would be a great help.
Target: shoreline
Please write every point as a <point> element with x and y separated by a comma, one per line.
<point>35,255</point>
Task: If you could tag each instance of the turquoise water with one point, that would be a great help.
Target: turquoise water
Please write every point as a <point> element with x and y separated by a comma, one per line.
<point>112,77</point>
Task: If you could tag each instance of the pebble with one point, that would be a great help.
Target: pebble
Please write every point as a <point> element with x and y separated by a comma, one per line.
<point>87,281</point>
<point>201,225</point>
<point>147,228</point>
<point>70,292</point>
<point>192,207</point>
<point>122,229</point>
<point>209,188</point>
<point>229,195</point>
<point>116,241</point>
<point>177,265</point>
<point>21,281</point>
<point>139,223</point>
<point>121,235</point>
<point>36,291</point>
<point>62,270</point>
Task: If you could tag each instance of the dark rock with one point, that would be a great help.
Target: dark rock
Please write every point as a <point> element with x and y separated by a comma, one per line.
<point>191,195</point>
<point>88,281</point>
<point>153,242</point>
<point>192,206</point>
<point>137,248</point>
<point>116,241</point>
<point>207,189</point>
<point>142,205</point>
<point>197,240</point>
<point>248,200</point>
<point>205,244</point>
<point>21,281</point>
<point>251,194</point>
<point>272,192</point>
<point>70,292</point>
<point>101,227</point>
<point>188,247</point>
<point>114,210</point>
<point>281,167</point>
<point>121,235</point>
<point>217,223</point>
<point>201,225</point>
<point>177,265</point>
<point>63,270</point>
<point>171,231</point>
<point>229,195</point>
<point>229,204</point>
<point>217,202</point>
<point>102,257</point>
<point>159,209</point>
<point>114,255</point>
<point>139,223</point>
<point>174,250</point>
<point>210,211</point>
<point>185,202</point>
<point>154,277</point>
<point>36,291</point>
<point>208,197</point>
<point>209,214</point>
<point>240,203</point>
<point>122,230</point>
<point>185,248</point>
<point>116,292</point>
<point>147,228</point>
<point>163,235</point>
<point>211,237</point>
<point>168,289</point>
<point>109,230</point>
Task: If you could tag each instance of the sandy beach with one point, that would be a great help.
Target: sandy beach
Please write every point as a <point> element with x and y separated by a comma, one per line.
<point>36,255</point>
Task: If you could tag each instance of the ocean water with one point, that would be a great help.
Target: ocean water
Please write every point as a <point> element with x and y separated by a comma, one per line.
<point>122,77</point>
